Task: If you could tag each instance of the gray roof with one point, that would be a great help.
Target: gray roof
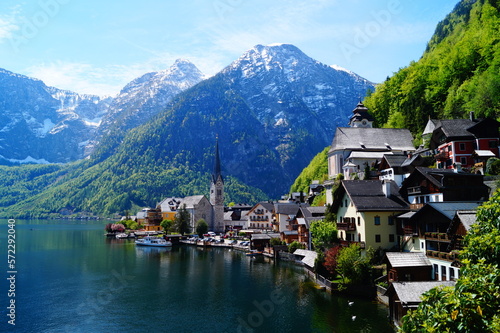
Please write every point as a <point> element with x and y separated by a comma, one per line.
<point>367,195</point>
<point>456,127</point>
<point>287,208</point>
<point>290,232</point>
<point>191,201</point>
<point>309,256</point>
<point>449,208</point>
<point>395,160</point>
<point>411,292</point>
<point>406,215</point>
<point>265,236</point>
<point>375,139</point>
<point>317,209</point>
<point>408,259</point>
<point>430,126</point>
<point>467,217</point>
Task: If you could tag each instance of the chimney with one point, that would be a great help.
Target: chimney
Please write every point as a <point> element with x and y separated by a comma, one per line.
<point>471,115</point>
<point>386,188</point>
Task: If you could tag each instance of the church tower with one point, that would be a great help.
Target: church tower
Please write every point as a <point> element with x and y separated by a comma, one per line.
<point>217,194</point>
<point>360,117</point>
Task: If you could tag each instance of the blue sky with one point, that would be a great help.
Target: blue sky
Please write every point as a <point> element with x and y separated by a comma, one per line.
<point>98,46</point>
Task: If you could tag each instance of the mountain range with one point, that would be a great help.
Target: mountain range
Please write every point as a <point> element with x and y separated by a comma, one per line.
<point>272,109</point>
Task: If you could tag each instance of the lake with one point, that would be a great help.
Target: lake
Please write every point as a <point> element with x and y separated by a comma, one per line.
<point>70,278</point>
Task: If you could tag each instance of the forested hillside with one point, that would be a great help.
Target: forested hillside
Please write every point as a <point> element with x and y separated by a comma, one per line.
<point>316,170</point>
<point>457,74</point>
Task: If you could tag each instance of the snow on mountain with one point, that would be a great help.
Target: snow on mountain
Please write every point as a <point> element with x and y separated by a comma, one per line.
<point>148,95</point>
<point>40,123</point>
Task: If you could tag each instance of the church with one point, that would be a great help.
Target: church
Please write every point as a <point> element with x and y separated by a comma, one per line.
<point>360,145</point>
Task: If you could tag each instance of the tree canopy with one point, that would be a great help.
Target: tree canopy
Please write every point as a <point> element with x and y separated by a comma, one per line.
<point>323,234</point>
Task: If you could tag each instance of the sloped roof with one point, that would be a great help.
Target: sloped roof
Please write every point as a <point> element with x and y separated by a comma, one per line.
<point>309,256</point>
<point>317,209</point>
<point>449,208</point>
<point>395,160</point>
<point>191,201</point>
<point>368,195</point>
<point>430,126</point>
<point>287,208</point>
<point>350,138</point>
<point>456,127</point>
<point>411,292</point>
<point>290,232</point>
<point>408,259</point>
<point>484,153</point>
<point>467,217</point>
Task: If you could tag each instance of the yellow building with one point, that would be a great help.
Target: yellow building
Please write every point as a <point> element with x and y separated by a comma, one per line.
<point>366,211</point>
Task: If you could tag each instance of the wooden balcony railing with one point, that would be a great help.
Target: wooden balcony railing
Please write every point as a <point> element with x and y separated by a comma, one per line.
<point>346,226</point>
<point>437,236</point>
<point>447,256</point>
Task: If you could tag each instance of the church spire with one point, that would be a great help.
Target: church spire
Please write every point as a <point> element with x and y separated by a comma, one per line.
<point>217,169</point>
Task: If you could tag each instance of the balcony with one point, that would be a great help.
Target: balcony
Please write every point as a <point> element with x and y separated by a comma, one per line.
<point>442,156</point>
<point>409,231</point>
<point>417,190</point>
<point>346,226</point>
<point>447,256</point>
<point>437,236</point>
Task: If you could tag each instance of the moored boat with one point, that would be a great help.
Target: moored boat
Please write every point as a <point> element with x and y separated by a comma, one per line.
<point>254,253</point>
<point>153,241</point>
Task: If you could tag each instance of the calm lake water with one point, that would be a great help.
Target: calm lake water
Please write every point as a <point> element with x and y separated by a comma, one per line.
<point>70,278</point>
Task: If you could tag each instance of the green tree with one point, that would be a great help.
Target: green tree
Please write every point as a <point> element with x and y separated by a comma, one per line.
<point>181,220</point>
<point>473,305</point>
<point>294,246</point>
<point>323,234</point>
<point>352,265</point>
<point>201,227</point>
<point>167,225</point>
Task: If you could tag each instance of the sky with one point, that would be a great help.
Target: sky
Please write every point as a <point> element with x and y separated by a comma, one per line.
<point>97,46</point>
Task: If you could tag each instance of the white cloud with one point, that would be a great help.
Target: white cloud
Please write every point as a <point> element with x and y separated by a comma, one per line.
<point>7,26</point>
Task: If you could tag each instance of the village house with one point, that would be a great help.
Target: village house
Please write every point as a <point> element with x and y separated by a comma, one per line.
<point>468,142</point>
<point>404,296</point>
<point>436,237</point>
<point>261,216</point>
<point>199,207</point>
<point>408,266</point>
<point>283,212</point>
<point>149,219</point>
<point>168,207</point>
<point>366,212</point>
<point>236,220</point>
<point>299,225</point>
<point>436,185</point>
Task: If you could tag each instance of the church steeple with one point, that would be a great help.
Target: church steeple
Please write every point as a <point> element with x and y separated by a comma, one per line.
<point>217,169</point>
<point>217,193</point>
<point>360,117</point>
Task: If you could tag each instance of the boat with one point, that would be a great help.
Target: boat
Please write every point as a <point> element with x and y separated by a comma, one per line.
<point>254,253</point>
<point>121,235</point>
<point>153,241</point>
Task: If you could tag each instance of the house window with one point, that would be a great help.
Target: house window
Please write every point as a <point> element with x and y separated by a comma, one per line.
<point>391,238</point>
<point>463,160</point>
<point>391,220</point>
<point>346,203</point>
<point>492,144</point>
<point>377,220</point>
<point>452,273</point>
<point>359,221</point>
<point>377,238</point>
<point>461,146</point>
